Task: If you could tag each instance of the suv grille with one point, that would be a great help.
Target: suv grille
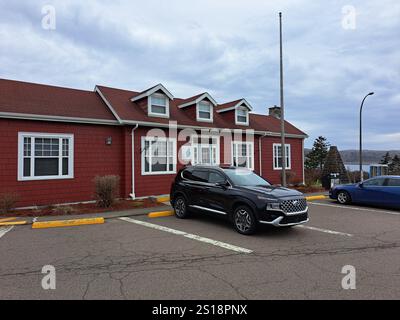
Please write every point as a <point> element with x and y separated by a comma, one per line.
<point>294,206</point>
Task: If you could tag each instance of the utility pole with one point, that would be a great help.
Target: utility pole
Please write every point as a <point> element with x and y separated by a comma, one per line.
<point>283,148</point>
<point>361,158</point>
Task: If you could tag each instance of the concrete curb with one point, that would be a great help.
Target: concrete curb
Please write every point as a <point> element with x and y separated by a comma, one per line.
<point>66,223</point>
<point>318,197</point>
<point>13,223</point>
<point>163,199</point>
<point>161,214</point>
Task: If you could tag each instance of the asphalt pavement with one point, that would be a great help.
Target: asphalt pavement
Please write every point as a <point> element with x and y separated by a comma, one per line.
<point>204,258</point>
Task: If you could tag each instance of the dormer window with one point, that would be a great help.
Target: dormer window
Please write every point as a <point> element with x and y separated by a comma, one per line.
<point>242,116</point>
<point>158,98</point>
<point>204,105</point>
<point>204,111</point>
<point>237,110</point>
<point>158,105</point>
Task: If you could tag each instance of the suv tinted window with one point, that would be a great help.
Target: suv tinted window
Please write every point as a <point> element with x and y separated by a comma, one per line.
<point>215,177</point>
<point>201,176</point>
<point>393,183</point>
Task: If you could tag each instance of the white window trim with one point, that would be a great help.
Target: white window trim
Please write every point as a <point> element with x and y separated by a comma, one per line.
<point>198,112</point>
<point>22,135</point>
<point>156,114</point>
<point>288,155</point>
<point>247,143</point>
<point>173,140</point>
<point>200,143</point>
<point>246,123</point>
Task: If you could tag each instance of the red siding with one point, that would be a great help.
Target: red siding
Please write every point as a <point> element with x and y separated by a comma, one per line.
<point>274,176</point>
<point>190,111</point>
<point>91,157</point>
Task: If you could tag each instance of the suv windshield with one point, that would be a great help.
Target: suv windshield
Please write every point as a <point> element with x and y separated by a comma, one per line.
<point>243,177</point>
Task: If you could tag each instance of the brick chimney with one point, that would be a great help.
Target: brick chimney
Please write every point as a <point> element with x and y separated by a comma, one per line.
<point>275,111</point>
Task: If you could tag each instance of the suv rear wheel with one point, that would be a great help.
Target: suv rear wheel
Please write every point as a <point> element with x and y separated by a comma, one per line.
<point>180,207</point>
<point>244,220</point>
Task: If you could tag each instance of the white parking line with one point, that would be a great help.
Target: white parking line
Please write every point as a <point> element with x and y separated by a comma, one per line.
<point>188,235</point>
<point>325,230</point>
<point>352,208</point>
<point>4,230</point>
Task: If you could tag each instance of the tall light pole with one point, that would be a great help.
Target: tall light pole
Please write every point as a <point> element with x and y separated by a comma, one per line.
<point>361,160</point>
<point>283,148</point>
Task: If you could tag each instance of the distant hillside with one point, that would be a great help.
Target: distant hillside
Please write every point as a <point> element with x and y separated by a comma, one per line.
<point>369,156</point>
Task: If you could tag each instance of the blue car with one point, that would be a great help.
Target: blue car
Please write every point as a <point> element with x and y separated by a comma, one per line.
<point>379,191</point>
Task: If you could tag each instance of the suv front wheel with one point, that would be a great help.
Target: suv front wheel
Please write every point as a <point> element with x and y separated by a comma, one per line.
<point>180,207</point>
<point>244,220</point>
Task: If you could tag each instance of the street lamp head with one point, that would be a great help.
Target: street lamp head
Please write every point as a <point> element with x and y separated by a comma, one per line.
<point>371,93</point>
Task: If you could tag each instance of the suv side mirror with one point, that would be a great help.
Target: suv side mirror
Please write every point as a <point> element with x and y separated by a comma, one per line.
<point>361,185</point>
<point>222,184</point>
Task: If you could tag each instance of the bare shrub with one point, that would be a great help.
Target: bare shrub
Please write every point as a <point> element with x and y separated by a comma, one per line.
<point>106,190</point>
<point>312,177</point>
<point>8,202</point>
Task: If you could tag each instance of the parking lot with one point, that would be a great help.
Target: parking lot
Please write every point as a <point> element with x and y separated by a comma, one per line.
<point>204,258</point>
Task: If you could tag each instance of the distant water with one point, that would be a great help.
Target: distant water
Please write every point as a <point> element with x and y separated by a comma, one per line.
<point>356,167</point>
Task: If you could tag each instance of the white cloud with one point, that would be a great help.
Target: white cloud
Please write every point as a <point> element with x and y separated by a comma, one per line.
<point>228,48</point>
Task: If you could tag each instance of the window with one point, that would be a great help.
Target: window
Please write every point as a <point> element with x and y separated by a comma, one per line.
<point>242,155</point>
<point>243,177</point>
<point>378,182</point>
<point>215,177</point>
<point>242,116</point>
<point>45,156</point>
<point>204,111</point>
<point>206,153</point>
<point>158,155</point>
<point>200,176</point>
<point>158,105</point>
<point>278,156</point>
<point>393,183</point>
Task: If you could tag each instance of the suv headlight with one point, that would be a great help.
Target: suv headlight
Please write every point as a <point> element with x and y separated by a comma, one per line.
<point>273,206</point>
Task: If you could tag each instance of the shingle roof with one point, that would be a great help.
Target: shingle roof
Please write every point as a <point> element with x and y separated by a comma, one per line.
<point>129,111</point>
<point>227,104</point>
<point>37,99</point>
<point>191,99</point>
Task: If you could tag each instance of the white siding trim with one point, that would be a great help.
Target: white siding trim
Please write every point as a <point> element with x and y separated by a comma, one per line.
<point>20,173</point>
<point>247,143</point>
<point>288,154</point>
<point>155,114</point>
<point>151,91</point>
<point>174,157</point>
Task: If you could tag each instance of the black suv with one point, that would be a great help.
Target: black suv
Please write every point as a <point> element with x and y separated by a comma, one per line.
<point>238,194</point>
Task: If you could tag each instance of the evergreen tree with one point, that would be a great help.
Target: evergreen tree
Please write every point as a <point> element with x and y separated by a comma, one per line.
<point>394,165</point>
<point>315,159</point>
<point>386,159</point>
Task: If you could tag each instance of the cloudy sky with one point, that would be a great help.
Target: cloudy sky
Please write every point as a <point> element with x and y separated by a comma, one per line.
<point>334,53</point>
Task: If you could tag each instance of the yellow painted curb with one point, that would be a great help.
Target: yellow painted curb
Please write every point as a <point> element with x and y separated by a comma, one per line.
<point>316,197</point>
<point>163,199</point>
<point>7,219</point>
<point>66,223</point>
<point>161,214</point>
<point>12,223</point>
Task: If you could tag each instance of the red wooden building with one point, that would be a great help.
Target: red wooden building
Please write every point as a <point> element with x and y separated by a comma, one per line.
<point>54,141</point>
